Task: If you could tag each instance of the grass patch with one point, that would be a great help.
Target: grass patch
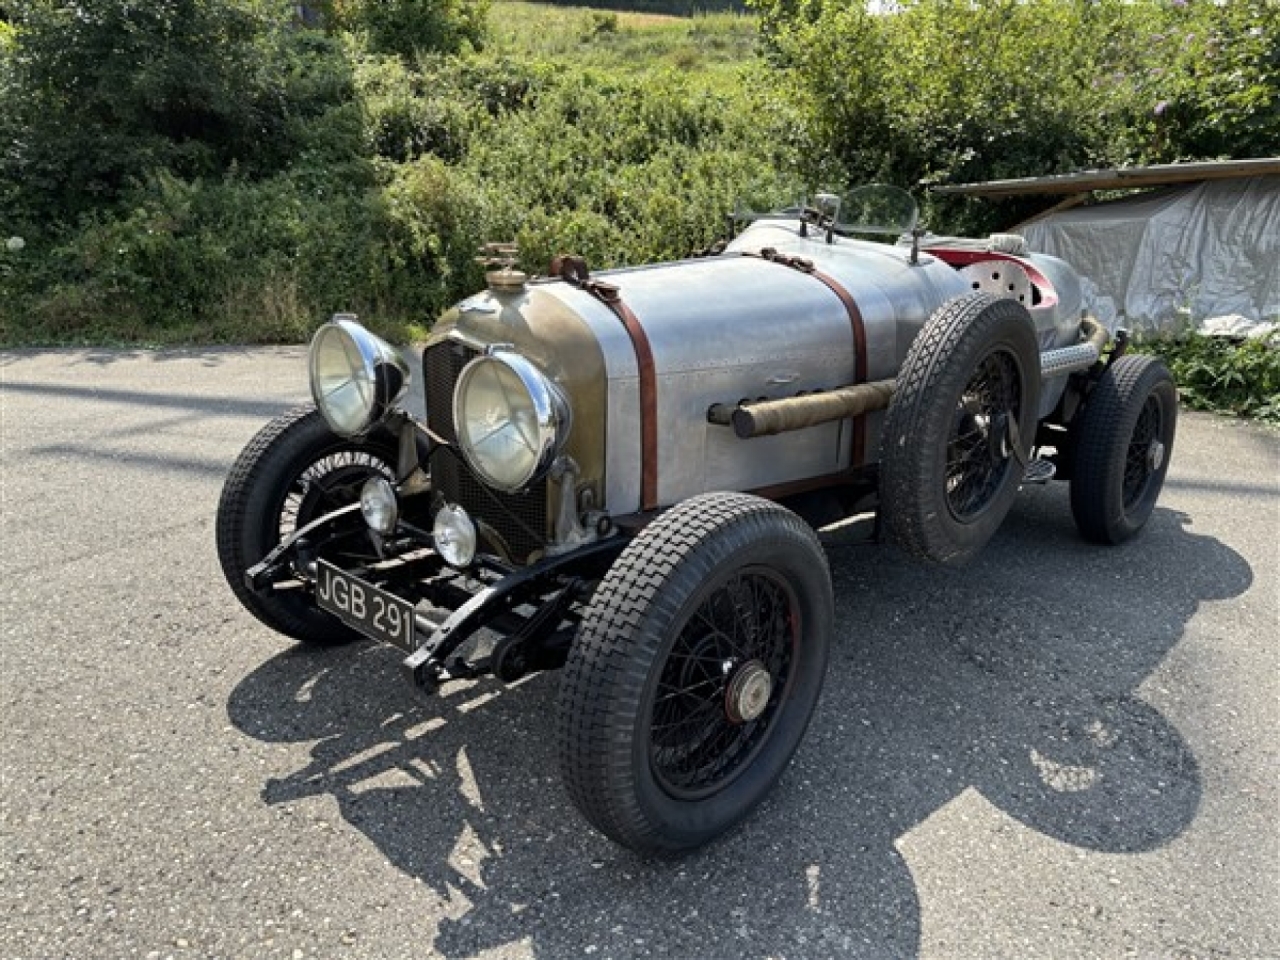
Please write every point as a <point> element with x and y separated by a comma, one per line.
<point>624,43</point>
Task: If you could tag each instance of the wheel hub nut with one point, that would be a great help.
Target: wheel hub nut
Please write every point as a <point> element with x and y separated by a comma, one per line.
<point>748,692</point>
<point>1155,455</point>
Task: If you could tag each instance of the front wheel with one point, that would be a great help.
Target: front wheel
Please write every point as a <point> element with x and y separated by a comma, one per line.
<point>696,670</point>
<point>1123,441</point>
<point>294,471</point>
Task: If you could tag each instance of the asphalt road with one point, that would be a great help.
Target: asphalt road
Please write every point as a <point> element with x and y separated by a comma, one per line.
<point>1059,751</point>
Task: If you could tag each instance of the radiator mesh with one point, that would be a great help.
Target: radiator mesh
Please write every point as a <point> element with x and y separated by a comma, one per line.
<point>520,519</point>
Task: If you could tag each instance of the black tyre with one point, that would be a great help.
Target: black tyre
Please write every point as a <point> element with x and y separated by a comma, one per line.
<point>696,671</point>
<point>294,471</point>
<point>1122,443</point>
<point>967,395</point>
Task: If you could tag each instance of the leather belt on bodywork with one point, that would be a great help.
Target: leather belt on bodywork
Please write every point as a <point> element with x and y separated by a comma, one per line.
<point>574,271</point>
<point>855,321</point>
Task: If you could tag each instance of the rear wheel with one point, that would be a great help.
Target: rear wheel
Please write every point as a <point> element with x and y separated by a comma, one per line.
<point>696,670</point>
<point>294,471</point>
<point>1123,441</point>
<point>959,426</point>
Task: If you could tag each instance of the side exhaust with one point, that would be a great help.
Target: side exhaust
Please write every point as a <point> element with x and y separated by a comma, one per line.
<point>767,417</point>
<point>1081,356</point>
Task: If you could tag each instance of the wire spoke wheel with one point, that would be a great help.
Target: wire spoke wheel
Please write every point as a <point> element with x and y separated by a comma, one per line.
<point>696,669</point>
<point>1145,453</point>
<point>1121,445</point>
<point>293,472</point>
<point>954,440</point>
<point>978,452</point>
<point>330,483</point>
<point>726,673</point>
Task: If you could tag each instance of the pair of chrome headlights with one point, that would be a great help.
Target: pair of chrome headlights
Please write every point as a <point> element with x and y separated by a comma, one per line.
<point>510,419</point>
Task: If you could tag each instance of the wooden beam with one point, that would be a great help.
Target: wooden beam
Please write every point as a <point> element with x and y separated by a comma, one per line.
<point>1118,179</point>
<point>1072,201</point>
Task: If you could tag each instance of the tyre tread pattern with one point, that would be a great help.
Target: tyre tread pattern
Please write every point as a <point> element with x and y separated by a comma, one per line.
<point>286,437</point>
<point>605,678</point>
<point>1102,440</point>
<point>913,428</point>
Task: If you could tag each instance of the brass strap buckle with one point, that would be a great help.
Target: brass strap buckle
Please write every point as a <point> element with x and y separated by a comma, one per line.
<point>795,263</point>
<point>575,272</point>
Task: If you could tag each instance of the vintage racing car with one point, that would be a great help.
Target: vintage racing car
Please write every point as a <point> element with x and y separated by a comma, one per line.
<point>621,474</point>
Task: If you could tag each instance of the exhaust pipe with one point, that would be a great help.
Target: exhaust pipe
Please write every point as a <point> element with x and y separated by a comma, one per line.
<point>1081,356</point>
<point>767,417</point>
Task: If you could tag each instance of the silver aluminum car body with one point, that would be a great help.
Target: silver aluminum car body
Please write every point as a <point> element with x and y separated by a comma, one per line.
<point>734,327</point>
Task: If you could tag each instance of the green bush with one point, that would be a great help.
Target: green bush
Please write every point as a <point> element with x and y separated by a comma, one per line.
<point>1194,79</point>
<point>953,91</point>
<point>410,27</point>
<point>601,22</point>
<point>1240,377</point>
<point>392,193</point>
<point>403,120</point>
<point>201,261</point>
<point>101,95</point>
<point>623,170</point>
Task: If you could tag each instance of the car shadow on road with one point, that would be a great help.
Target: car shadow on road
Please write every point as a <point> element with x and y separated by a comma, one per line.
<point>1016,676</point>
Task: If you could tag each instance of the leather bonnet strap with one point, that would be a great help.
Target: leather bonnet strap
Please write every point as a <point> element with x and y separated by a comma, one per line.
<point>860,373</point>
<point>574,271</point>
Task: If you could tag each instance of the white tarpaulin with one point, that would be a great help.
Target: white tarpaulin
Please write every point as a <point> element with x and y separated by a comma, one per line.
<point>1181,255</point>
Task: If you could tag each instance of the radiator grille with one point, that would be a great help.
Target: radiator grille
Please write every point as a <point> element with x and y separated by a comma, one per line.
<point>520,519</point>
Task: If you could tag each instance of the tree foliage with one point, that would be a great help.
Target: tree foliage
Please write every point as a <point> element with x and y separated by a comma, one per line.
<point>954,91</point>
<point>238,169</point>
<point>104,92</point>
<point>410,27</point>
<point>107,92</point>
<point>1196,79</point>
<point>333,175</point>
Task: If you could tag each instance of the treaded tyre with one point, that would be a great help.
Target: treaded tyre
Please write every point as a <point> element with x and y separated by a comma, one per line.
<point>292,472</point>
<point>695,673</point>
<point>1123,441</point>
<point>967,394</point>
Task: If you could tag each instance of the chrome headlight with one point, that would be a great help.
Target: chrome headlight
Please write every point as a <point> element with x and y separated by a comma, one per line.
<point>454,534</point>
<point>378,505</point>
<point>511,420</point>
<point>355,376</point>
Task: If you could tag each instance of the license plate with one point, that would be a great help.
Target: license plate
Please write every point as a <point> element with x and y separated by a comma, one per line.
<point>373,612</point>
